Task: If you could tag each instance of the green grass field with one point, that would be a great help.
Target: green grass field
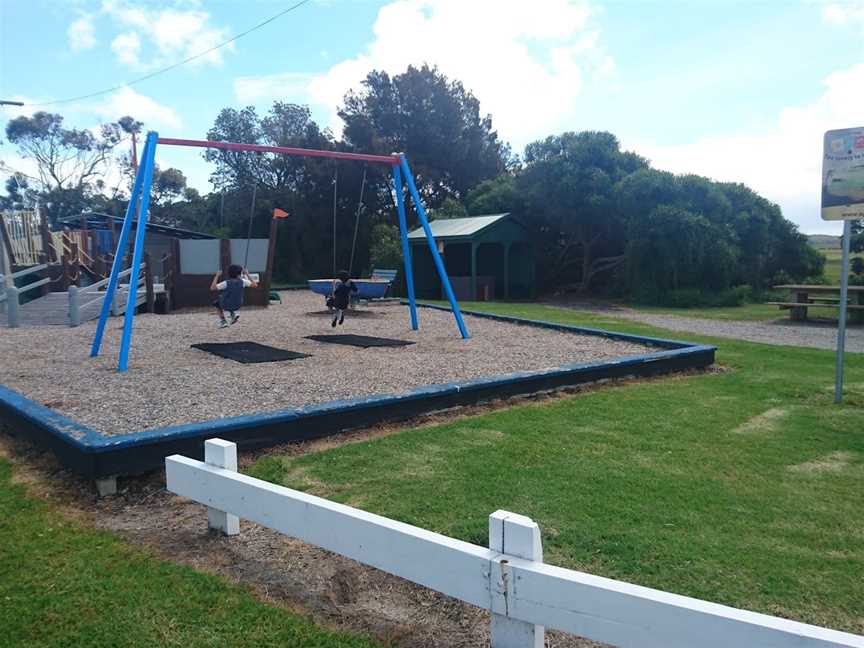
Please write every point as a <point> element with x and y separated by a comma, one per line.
<point>833,259</point>
<point>742,487</point>
<point>64,585</point>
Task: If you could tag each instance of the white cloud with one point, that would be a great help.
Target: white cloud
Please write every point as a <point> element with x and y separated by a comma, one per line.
<point>81,34</point>
<point>127,47</point>
<point>287,86</point>
<point>141,107</point>
<point>171,33</point>
<point>525,62</point>
<point>846,13</point>
<point>783,163</point>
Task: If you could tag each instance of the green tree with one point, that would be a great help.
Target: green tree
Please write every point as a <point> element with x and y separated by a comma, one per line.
<point>435,121</point>
<point>71,163</point>
<point>450,208</point>
<point>568,185</point>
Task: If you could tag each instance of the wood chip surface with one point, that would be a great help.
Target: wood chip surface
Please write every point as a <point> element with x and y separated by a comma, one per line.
<point>169,383</point>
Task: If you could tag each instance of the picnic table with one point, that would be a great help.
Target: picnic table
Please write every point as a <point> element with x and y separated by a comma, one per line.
<point>803,297</point>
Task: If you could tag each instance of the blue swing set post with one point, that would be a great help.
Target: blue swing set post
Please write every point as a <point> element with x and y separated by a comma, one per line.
<point>424,222</point>
<point>406,249</point>
<point>117,264</point>
<point>138,253</point>
<point>141,191</point>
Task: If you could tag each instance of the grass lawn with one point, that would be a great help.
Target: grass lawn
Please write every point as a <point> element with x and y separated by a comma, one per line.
<point>64,585</point>
<point>833,259</point>
<point>741,487</point>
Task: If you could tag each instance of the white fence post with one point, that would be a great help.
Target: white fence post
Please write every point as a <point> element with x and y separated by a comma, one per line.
<point>222,454</point>
<point>74,306</point>
<point>517,536</point>
<point>12,314</point>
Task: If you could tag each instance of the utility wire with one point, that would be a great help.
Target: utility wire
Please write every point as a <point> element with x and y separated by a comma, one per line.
<point>175,65</point>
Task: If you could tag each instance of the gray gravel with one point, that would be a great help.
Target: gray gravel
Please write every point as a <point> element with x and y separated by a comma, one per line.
<point>782,331</point>
<point>170,383</point>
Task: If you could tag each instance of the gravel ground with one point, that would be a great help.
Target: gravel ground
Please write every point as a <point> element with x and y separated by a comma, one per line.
<point>817,335</point>
<point>169,383</point>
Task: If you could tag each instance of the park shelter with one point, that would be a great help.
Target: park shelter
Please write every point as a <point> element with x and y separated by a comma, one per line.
<point>486,257</point>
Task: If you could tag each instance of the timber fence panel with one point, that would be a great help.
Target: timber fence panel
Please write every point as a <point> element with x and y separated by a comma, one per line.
<point>509,578</point>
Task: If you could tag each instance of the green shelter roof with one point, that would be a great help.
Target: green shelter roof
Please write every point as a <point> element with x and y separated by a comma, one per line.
<point>456,228</point>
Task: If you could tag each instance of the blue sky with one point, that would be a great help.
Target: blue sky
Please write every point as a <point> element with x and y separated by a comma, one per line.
<point>732,90</point>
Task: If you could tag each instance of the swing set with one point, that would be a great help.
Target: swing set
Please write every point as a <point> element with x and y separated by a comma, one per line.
<point>139,202</point>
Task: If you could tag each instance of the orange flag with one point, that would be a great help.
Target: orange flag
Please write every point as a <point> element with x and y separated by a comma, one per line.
<point>279,213</point>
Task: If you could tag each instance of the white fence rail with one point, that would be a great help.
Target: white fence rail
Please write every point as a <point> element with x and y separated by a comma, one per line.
<point>509,578</point>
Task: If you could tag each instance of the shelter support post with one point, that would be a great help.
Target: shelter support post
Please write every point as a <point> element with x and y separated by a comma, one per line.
<point>406,249</point>
<point>507,248</point>
<point>474,271</point>
<point>439,264</point>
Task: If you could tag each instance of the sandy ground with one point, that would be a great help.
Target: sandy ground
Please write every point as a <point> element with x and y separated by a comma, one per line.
<point>170,383</point>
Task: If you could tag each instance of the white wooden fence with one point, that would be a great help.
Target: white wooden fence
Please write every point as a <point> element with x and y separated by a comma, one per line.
<point>508,578</point>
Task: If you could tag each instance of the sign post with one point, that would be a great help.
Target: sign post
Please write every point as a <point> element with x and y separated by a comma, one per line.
<point>843,199</point>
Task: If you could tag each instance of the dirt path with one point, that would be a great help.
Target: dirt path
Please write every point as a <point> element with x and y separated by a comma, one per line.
<point>817,335</point>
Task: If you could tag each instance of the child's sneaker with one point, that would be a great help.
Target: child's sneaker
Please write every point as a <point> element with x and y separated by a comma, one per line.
<point>341,319</point>
<point>223,324</point>
<point>333,323</point>
<point>234,318</point>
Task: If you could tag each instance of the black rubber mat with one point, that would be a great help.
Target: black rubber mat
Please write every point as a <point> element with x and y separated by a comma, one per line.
<point>364,341</point>
<point>248,352</point>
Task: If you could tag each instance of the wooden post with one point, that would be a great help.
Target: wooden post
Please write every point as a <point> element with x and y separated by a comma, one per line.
<point>75,263</point>
<point>85,236</point>
<point>224,255</point>
<point>148,284</point>
<point>64,265</point>
<point>271,256</point>
<point>113,235</point>
<point>222,454</point>
<point>517,536</point>
<point>167,281</point>
<point>7,242</point>
<point>176,273</point>
<point>47,239</point>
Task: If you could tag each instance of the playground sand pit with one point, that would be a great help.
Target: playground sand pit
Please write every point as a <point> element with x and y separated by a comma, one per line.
<point>169,383</point>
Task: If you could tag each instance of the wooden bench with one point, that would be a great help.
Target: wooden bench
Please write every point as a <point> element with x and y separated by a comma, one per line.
<point>787,305</point>
<point>802,297</point>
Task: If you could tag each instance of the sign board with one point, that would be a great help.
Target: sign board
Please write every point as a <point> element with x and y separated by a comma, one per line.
<point>843,175</point>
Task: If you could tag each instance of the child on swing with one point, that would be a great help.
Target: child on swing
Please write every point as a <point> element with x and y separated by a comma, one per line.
<point>342,289</point>
<point>231,293</point>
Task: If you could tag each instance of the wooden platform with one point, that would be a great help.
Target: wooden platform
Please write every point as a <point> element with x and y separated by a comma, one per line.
<point>53,308</point>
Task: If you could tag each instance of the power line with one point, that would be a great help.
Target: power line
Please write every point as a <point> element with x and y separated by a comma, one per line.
<point>173,66</point>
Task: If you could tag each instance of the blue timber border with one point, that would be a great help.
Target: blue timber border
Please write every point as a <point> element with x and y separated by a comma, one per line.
<point>95,455</point>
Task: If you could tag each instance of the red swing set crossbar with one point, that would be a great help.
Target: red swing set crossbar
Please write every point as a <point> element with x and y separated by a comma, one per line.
<point>389,160</point>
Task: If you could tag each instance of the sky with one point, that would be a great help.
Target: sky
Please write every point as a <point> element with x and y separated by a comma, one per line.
<point>736,91</point>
